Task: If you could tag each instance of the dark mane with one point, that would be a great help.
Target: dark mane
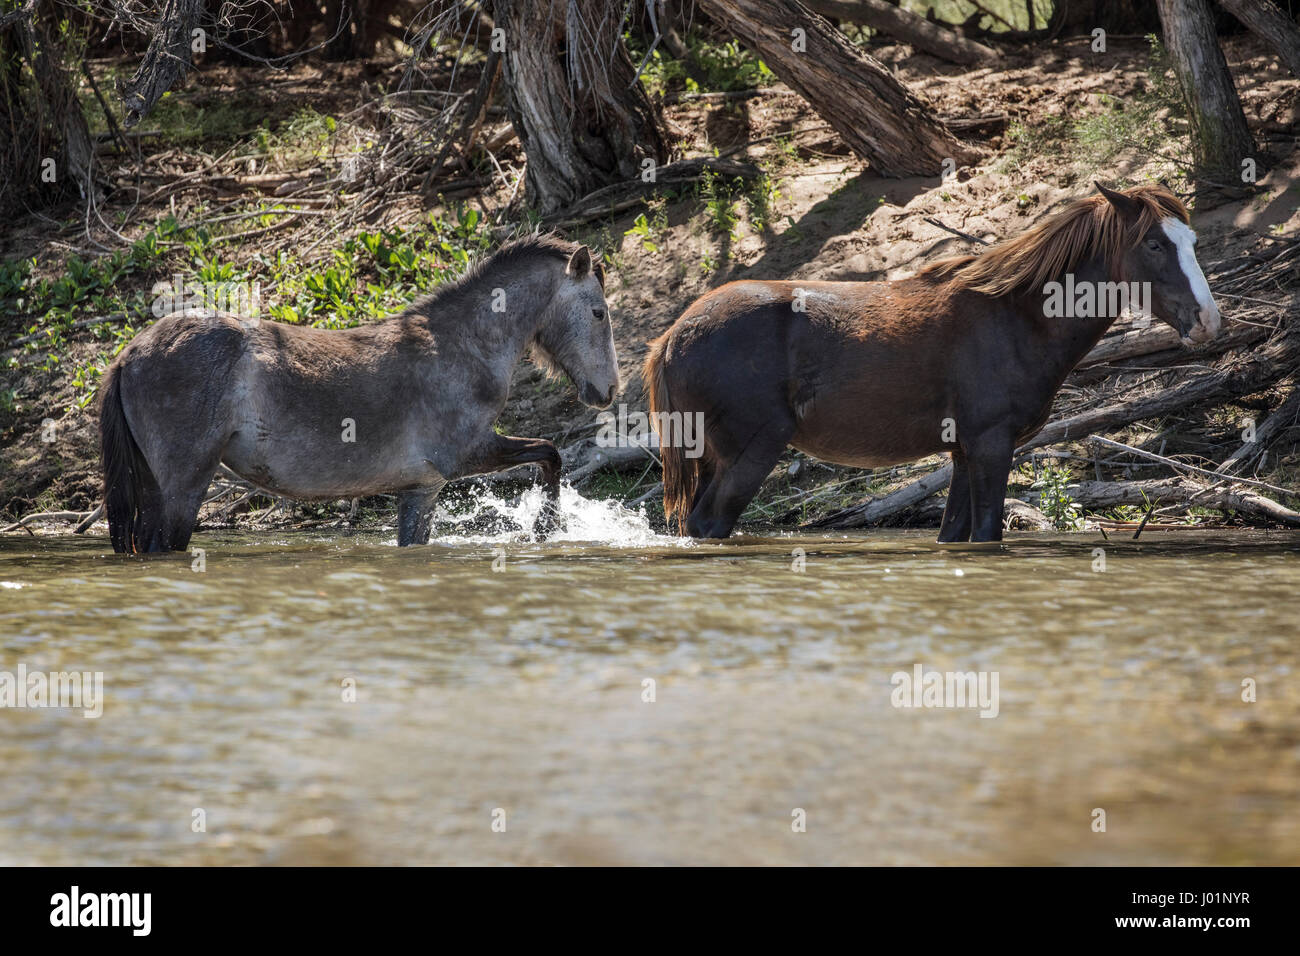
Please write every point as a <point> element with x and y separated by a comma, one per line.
<point>514,251</point>
<point>1085,229</point>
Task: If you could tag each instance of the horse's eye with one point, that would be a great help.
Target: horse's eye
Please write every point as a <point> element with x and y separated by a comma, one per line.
<point>1153,245</point>
<point>599,314</point>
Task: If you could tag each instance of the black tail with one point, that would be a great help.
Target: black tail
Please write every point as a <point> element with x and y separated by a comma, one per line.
<point>128,480</point>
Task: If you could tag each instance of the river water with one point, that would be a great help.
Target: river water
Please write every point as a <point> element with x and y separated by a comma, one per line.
<point>621,697</point>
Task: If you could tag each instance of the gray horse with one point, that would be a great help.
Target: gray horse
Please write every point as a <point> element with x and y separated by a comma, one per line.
<point>402,406</point>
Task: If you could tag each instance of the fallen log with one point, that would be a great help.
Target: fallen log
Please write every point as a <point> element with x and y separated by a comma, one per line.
<point>1093,495</point>
<point>1255,371</point>
<point>1120,352</point>
<point>875,510</point>
<point>89,520</point>
<point>1131,345</point>
<point>983,124</point>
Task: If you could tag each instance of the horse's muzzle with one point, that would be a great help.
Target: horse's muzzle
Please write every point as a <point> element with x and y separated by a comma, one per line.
<point>590,395</point>
<point>1208,322</point>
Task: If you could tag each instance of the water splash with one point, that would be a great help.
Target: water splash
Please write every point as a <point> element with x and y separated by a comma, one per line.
<point>492,519</point>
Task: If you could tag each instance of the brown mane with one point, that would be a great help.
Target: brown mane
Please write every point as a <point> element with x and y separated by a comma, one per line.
<point>1085,229</point>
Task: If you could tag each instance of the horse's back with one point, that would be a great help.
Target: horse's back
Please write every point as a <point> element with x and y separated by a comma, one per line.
<point>797,328</point>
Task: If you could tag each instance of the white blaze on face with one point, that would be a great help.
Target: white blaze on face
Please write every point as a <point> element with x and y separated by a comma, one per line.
<point>1184,240</point>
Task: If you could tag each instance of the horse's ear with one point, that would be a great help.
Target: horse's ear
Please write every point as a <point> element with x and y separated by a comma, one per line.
<point>1126,206</point>
<point>579,266</point>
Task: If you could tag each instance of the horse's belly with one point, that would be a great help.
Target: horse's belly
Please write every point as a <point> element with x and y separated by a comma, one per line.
<point>861,450</point>
<point>343,472</point>
<point>866,427</point>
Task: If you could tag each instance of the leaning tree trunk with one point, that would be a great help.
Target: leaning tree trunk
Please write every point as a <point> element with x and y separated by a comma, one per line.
<point>1220,139</point>
<point>907,27</point>
<point>583,120</point>
<point>1268,22</point>
<point>878,117</point>
<point>166,61</point>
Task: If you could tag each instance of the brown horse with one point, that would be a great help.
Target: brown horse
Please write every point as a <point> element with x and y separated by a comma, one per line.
<point>401,406</point>
<point>964,357</point>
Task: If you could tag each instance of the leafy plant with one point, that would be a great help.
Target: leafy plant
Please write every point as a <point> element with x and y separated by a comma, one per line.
<point>1054,499</point>
<point>718,203</point>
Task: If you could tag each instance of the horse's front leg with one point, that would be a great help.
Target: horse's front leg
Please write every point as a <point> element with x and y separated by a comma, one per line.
<point>415,515</point>
<point>988,464</point>
<point>506,452</point>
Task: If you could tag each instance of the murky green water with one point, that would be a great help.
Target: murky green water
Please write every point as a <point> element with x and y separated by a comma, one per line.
<point>520,688</point>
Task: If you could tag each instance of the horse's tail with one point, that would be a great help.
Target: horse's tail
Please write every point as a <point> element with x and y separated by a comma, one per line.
<point>127,476</point>
<point>681,474</point>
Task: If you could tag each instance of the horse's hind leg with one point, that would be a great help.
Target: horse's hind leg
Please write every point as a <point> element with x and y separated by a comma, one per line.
<point>415,516</point>
<point>184,480</point>
<point>183,510</point>
<point>734,485</point>
<point>151,532</point>
<point>166,516</point>
<point>184,495</point>
<point>957,515</point>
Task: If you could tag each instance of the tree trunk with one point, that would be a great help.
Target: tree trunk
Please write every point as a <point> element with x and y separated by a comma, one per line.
<point>1220,138</point>
<point>878,117</point>
<point>46,154</point>
<point>908,27</point>
<point>1270,24</point>
<point>583,121</point>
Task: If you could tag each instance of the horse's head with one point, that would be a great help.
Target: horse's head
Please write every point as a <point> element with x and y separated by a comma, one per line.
<point>576,337</point>
<point>1164,257</point>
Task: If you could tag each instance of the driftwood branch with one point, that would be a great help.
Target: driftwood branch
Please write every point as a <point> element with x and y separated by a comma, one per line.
<point>47,516</point>
<point>1182,465</point>
<point>89,520</point>
<point>957,232</point>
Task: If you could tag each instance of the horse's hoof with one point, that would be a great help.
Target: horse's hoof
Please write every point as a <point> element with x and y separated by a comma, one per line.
<point>548,522</point>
